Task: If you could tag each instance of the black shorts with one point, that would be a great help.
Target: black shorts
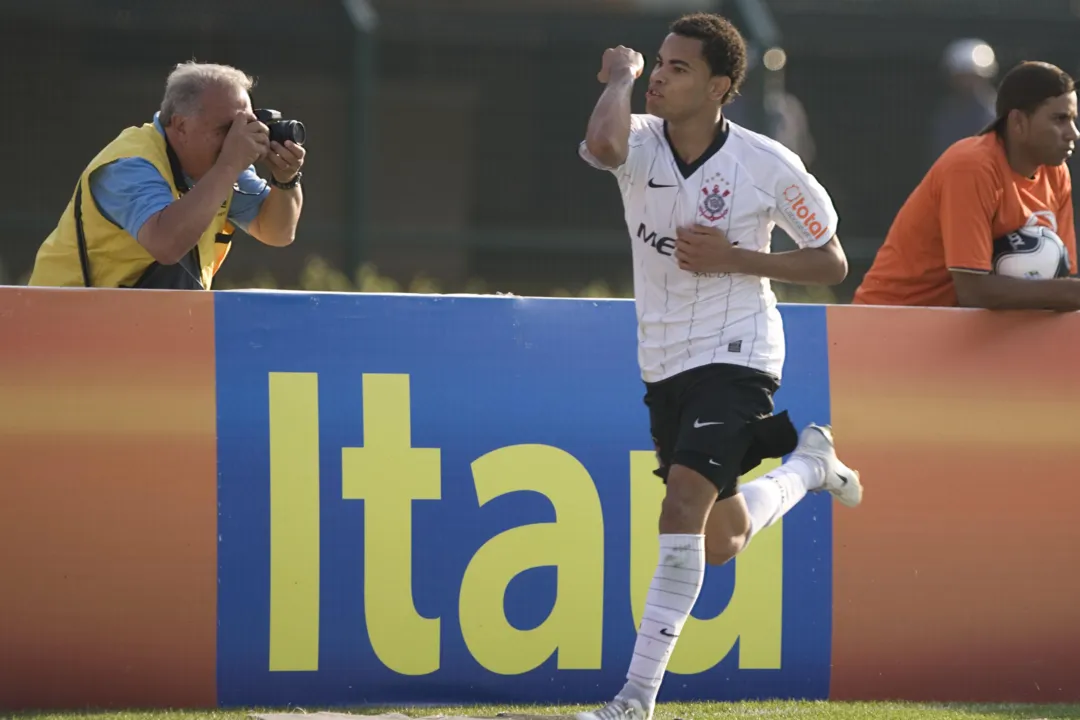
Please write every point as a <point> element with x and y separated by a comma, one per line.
<point>718,421</point>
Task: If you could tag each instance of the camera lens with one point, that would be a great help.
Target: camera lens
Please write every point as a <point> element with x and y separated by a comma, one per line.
<point>295,131</point>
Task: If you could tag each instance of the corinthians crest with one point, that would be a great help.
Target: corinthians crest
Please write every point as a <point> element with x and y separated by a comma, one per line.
<point>716,193</point>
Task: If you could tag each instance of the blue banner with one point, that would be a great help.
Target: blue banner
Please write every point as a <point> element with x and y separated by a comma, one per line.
<point>450,499</point>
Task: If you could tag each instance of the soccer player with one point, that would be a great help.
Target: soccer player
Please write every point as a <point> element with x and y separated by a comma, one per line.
<point>939,249</point>
<point>701,198</point>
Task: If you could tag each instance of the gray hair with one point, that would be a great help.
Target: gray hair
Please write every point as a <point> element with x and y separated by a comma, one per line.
<point>187,82</point>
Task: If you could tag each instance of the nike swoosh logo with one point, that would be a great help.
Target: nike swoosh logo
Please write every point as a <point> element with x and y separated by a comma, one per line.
<point>699,424</point>
<point>652,184</point>
<point>713,462</point>
<point>667,633</point>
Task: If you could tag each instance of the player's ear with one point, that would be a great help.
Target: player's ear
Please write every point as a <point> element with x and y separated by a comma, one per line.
<point>718,87</point>
<point>1018,119</point>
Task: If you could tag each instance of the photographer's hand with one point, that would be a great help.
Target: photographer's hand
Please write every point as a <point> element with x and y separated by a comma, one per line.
<point>248,141</point>
<point>280,212</point>
<point>285,160</point>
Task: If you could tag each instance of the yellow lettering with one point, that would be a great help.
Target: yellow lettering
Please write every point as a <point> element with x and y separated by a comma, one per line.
<point>294,522</point>
<point>388,474</point>
<point>754,616</point>
<point>574,544</point>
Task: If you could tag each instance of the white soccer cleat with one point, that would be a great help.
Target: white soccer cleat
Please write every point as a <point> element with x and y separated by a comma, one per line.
<point>618,709</point>
<point>816,444</point>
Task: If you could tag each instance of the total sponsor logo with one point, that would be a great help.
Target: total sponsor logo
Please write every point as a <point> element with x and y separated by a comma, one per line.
<point>795,207</point>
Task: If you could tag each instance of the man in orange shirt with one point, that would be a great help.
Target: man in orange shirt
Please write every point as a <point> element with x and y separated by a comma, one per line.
<point>939,249</point>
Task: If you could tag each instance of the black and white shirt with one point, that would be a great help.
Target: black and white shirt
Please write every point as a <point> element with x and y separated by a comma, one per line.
<point>744,184</point>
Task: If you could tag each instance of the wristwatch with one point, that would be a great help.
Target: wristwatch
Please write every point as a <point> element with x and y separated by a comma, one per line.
<point>289,185</point>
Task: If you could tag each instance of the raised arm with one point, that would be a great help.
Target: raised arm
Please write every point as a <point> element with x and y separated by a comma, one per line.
<point>169,234</point>
<point>608,133</point>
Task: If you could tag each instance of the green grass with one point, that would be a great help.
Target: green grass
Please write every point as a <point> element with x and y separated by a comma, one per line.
<point>666,711</point>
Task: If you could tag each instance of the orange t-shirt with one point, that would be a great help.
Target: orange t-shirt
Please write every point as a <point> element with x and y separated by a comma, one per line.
<point>970,196</point>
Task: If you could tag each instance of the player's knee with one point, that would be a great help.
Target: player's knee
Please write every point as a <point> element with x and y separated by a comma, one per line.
<point>687,502</point>
<point>728,530</point>
<point>681,515</point>
<point>722,550</point>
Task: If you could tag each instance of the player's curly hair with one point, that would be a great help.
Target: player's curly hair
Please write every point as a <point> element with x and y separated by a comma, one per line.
<point>721,44</point>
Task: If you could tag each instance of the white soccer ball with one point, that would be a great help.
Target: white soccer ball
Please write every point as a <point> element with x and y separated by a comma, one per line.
<point>1031,253</point>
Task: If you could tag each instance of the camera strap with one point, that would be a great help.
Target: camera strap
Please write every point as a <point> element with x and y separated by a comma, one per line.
<point>183,188</point>
<point>80,237</point>
<point>177,170</point>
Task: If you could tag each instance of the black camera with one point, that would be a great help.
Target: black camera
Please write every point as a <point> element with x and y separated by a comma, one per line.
<point>281,130</point>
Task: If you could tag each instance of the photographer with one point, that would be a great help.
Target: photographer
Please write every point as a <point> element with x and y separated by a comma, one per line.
<point>156,208</point>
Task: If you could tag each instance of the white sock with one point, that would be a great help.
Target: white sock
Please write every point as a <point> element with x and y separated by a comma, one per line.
<point>771,496</point>
<point>674,590</point>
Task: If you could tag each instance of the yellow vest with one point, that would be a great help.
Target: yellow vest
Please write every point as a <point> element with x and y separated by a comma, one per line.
<point>116,259</point>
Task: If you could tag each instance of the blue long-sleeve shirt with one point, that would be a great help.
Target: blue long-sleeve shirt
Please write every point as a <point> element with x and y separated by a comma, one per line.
<point>128,192</point>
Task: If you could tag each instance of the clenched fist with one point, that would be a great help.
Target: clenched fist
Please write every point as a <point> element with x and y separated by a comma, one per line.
<point>618,60</point>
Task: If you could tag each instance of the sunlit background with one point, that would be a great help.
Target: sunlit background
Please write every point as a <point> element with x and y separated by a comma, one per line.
<point>443,133</point>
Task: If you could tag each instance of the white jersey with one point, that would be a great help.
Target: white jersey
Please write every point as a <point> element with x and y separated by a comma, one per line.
<point>745,184</point>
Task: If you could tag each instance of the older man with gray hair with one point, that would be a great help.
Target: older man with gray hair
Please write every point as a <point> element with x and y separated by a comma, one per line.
<point>156,208</point>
